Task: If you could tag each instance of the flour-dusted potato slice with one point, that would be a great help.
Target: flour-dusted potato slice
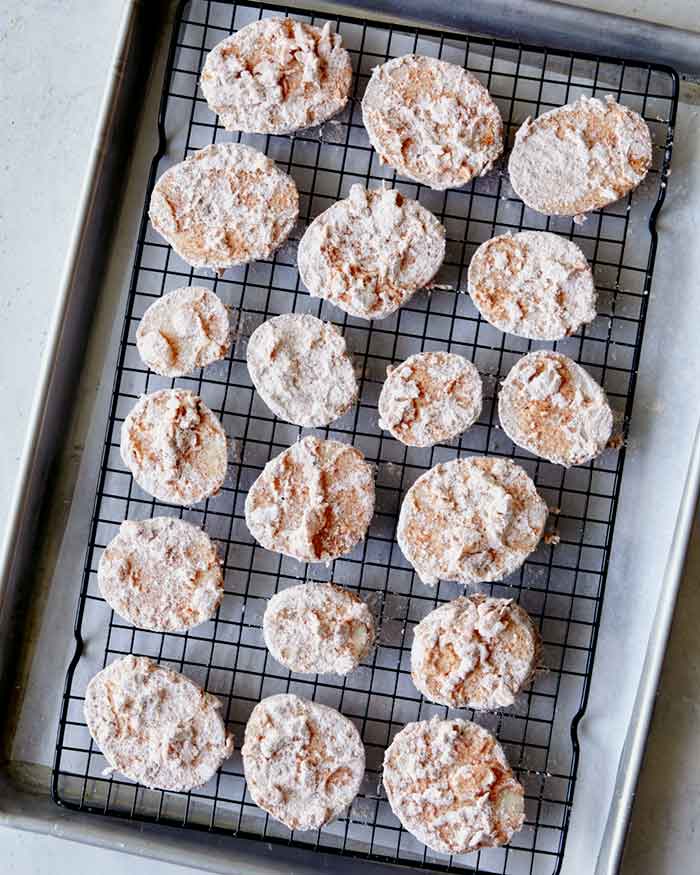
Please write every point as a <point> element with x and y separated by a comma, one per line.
<point>450,785</point>
<point>302,369</point>
<point>370,253</point>
<point>303,762</point>
<point>552,407</point>
<point>277,75</point>
<point>580,157</point>
<point>533,284</point>
<point>161,574</point>
<point>318,628</point>
<point>156,726</point>
<point>175,447</point>
<point>226,204</point>
<point>432,121</point>
<point>313,502</point>
<point>470,520</point>
<point>184,330</point>
<point>429,398</point>
<point>475,652</point>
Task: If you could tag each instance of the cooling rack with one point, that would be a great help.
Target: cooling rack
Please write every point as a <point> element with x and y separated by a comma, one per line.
<point>562,583</point>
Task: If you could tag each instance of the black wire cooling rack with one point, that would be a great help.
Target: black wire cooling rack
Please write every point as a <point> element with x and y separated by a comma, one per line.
<point>562,583</point>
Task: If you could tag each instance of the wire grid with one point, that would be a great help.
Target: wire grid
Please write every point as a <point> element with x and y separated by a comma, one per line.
<point>561,584</point>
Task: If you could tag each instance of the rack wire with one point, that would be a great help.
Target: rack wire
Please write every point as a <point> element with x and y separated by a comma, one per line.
<point>561,585</point>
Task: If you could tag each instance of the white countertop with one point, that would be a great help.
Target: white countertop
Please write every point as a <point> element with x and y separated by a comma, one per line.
<point>54,62</point>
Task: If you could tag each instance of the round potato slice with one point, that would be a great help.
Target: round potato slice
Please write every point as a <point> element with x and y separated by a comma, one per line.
<point>533,284</point>
<point>301,369</point>
<point>580,157</point>
<point>175,447</point>
<point>450,785</point>
<point>318,628</point>
<point>432,121</point>
<point>313,502</point>
<point>370,253</point>
<point>182,331</point>
<point>161,574</point>
<point>429,398</point>
<point>470,520</point>
<point>277,75</point>
<point>225,205</point>
<point>475,652</point>
<point>553,407</point>
<point>156,726</point>
<point>303,761</point>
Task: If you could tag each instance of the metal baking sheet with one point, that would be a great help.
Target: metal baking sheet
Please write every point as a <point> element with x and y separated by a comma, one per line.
<point>33,746</point>
<point>562,586</point>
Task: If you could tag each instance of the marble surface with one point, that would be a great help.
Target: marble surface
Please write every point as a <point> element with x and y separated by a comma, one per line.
<point>54,63</point>
<point>46,143</point>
